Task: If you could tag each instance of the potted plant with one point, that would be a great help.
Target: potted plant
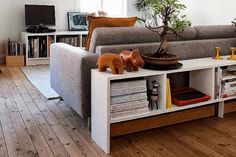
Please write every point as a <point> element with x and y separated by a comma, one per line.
<point>163,17</point>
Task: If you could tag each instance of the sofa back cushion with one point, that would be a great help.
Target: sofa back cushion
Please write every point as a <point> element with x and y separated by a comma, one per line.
<point>185,49</point>
<point>215,31</point>
<point>132,35</point>
<point>95,22</point>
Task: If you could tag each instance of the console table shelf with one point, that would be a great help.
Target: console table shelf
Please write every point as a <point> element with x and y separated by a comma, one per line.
<point>158,112</point>
<point>202,76</point>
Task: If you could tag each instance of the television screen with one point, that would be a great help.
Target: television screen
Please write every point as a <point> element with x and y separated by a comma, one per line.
<point>39,15</point>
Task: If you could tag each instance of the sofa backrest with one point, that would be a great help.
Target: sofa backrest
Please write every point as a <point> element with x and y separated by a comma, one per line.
<point>188,49</point>
<point>197,42</point>
<point>215,32</point>
<point>131,35</point>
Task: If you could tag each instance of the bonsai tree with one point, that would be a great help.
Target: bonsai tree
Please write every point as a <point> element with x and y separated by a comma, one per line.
<point>163,17</point>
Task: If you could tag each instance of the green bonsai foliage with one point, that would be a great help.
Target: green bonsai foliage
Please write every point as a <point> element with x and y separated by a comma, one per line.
<point>166,11</point>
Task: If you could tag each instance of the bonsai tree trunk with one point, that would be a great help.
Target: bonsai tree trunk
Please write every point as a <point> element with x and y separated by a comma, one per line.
<point>162,50</point>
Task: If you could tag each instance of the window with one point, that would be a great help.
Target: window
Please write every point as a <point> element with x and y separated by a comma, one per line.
<point>114,8</point>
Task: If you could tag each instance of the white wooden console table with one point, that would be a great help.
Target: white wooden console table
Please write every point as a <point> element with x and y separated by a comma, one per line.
<point>201,77</point>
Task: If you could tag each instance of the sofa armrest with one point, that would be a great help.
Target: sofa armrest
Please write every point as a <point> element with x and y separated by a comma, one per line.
<point>71,76</point>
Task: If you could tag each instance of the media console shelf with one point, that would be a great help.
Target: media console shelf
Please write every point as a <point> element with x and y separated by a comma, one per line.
<point>202,76</point>
<point>37,45</point>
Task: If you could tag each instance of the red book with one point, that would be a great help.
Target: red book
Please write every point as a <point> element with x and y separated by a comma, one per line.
<point>186,96</point>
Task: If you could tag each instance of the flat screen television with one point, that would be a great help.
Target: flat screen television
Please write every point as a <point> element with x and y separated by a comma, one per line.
<point>39,15</point>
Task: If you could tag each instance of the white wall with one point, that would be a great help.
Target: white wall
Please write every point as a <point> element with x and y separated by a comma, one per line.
<point>203,12</point>
<point>12,20</point>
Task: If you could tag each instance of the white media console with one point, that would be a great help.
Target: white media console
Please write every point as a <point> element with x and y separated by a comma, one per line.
<point>202,77</point>
<point>54,37</point>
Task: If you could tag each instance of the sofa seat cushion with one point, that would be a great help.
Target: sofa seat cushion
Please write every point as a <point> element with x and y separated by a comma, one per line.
<point>95,22</point>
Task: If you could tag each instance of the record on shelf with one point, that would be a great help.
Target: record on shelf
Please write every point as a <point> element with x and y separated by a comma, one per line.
<point>186,96</point>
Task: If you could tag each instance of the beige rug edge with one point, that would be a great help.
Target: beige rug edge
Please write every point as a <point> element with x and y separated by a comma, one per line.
<point>39,76</point>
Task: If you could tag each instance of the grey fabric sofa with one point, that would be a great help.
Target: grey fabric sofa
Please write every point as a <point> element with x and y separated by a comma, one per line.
<point>71,66</point>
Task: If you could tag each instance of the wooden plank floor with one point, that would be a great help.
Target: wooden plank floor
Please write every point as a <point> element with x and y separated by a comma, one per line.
<point>31,126</point>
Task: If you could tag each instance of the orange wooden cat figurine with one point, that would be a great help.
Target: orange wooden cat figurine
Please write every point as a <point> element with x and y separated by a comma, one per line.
<point>132,60</point>
<point>110,60</point>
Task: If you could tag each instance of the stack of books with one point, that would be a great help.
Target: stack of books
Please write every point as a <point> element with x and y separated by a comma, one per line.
<point>38,46</point>
<point>226,82</point>
<point>74,41</point>
<point>128,97</point>
<point>228,88</point>
<point>15,48</point>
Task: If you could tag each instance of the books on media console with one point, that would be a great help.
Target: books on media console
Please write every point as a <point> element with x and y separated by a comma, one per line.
<point>129,106</point>
<point>128,98</point>
<point>128,87</point>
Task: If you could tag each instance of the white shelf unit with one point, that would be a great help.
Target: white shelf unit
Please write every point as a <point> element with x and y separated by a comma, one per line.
<point>25,36</point>
<point>201,77</point>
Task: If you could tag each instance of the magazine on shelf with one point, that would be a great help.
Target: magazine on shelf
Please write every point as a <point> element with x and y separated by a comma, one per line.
<point>129,105</point>
<point>129,87</point>
<point>227,85</point>
<point>128,98</point>
<point>228,94</point>
<point>129,112</point>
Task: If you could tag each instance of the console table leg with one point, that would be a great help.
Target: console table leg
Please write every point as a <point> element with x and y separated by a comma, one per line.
<point>221,109</point>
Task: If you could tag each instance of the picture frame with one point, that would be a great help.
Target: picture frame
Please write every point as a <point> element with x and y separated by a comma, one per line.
<point>77,21</point>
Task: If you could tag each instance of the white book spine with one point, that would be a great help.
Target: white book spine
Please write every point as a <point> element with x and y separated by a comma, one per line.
<point>220,81</point>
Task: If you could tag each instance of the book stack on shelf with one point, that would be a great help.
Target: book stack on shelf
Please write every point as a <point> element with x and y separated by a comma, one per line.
<point>71,40</point>
<point>15,48</point>
<point>39,46</point>
<point>128,97</point>
<point>228,88</point>
<point>228,83</point>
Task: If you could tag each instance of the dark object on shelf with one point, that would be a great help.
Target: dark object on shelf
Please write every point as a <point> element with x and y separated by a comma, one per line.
<point>186,96</point>
<point>163,67</point>
<point>39,29</point>
<point>153,96</point>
